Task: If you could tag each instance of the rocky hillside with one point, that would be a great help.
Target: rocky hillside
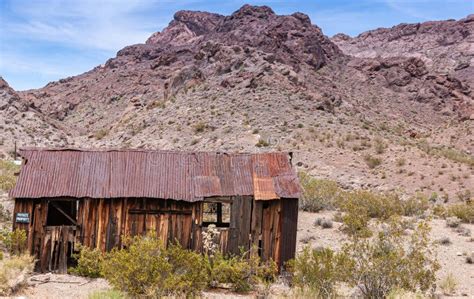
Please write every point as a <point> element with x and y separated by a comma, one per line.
<point>257,81</point>
<point>446,47</point>
<point>21,124</point>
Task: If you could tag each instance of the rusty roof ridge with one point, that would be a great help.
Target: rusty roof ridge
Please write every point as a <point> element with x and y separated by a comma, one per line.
<point>74,149</point>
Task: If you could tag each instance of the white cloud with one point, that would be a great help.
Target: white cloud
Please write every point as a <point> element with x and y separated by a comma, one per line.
<point>105,25</point>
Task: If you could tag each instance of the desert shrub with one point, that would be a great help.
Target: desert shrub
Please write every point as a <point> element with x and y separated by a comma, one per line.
<point>375,205</point>
<point>384,205</point>
<point>414,206</point>
<point>318,193</point>
<point>318,270</point>
<point>100,134</point>
<point>156,104</point>
<point>188,273</point>
<point>372,161</point>
<point>108,294</point>
<point>262,143</point>
<point>400,162</point>
<point>200,127</point>
<point>15,241</point>
<point>464,196</point>
<point>384,263</point>
<point>243,272</point>
<point>5,215</point>
<point>356,221</point>
<point>448,285</point>
<point>453,222</point>
<point>13,272</point>
<point>7,174</point>
<point>323,222</point>
<point>444,241</point>
<point>446,152</point>
<point>89,262</point>
<point>146,268</point>
<point>464,211</point>
<point>379,146</point>
<point>7,182</point>
<point>138,268</point>
<point>440,211</point>
<point>360,206</point>
<point>403,294</point>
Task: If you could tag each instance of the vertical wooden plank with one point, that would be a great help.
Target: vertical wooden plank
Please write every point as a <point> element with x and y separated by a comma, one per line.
<point>62,249</point>
<point>99,225</point>
<point>196,222</point>
<point>256,226</point>
<point>45,251</point>
<point>267,223</point>
<point>289,223</point>
<point>240,220</point>
<point>111,224</point>
<point>276,230</point>
<point>235,216</point>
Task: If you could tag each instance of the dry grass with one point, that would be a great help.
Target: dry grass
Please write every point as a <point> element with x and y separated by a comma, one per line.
<point>7,174</point>
<point>13,273</point>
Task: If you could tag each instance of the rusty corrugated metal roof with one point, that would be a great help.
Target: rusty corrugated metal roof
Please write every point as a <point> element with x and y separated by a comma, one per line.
<point>188,176</point>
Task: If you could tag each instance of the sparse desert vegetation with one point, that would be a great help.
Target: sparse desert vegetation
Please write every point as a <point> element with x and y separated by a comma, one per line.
<point>383,146</point>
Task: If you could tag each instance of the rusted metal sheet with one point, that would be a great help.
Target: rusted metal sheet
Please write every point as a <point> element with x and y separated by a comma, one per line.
<point>188,176</point>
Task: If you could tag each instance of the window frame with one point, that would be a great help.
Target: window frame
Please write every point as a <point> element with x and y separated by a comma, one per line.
<point>220,202</point>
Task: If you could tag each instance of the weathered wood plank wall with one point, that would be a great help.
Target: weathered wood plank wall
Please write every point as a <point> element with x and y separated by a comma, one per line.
<point>102,223</point>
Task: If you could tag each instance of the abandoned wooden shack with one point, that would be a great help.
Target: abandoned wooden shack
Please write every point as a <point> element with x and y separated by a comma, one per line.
<point>95,197</point>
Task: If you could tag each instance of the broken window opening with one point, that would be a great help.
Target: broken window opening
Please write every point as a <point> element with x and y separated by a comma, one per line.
<point>61,212</point>
<point>217,213</point>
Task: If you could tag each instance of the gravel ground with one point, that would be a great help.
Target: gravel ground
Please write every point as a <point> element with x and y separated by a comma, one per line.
<point>452,258</point>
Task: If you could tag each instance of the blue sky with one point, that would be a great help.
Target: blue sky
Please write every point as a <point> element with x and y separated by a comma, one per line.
<point>46,40</point>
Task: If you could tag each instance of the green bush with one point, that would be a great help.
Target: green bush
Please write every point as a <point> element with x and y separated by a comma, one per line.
<point>464,211</point>
<point>15,241</point>
<point>414,206</point>
<point>262,143</point>
<point>318,193</point>
<point>188,273</point>
<point>361,205</point>
<point>390,263</point>
<point>7,174</point>
<point>385,263</point>
<point>89,262</point>
<point>356,222</point>
<point>146,268</point>
<point>318,271</point>
<point>138,268</point>
<point>109,294</point>
<point>243,272</point>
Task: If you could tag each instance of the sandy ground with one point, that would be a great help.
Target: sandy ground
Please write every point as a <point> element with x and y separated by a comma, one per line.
<point>451,257</point>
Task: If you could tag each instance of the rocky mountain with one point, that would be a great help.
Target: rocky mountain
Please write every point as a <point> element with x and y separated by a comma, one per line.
<point>23,125</point>
<point>446,47</point>
<point>257,81</point>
